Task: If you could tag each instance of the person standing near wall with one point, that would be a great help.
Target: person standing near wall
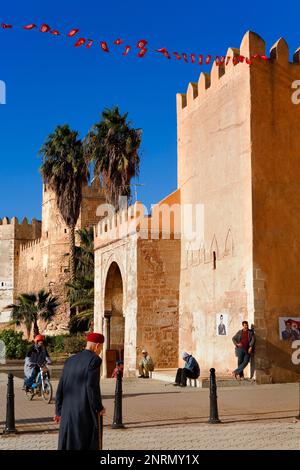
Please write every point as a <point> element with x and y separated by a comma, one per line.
<point>244,341</point>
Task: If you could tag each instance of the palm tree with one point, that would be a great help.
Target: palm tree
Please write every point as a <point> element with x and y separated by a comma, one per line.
<point>22,313</point>
<point>84,254</point>
<point>81,297</point>
<point>112,144</point>
<point>81,290</point>
<point>65,170</point>
<point>30,308</point>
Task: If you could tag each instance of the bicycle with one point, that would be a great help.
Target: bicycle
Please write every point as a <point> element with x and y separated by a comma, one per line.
<point>42,385</point>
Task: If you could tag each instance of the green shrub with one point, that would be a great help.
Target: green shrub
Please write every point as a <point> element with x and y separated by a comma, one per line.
<point>16,347</point>
<point>74,344</point>
<point>56,343</point>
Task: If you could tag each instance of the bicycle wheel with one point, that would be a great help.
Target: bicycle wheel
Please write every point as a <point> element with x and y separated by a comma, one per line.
<point>47,391</point>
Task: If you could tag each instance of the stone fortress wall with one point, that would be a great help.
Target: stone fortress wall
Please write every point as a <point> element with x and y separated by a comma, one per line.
<point>35,256</point>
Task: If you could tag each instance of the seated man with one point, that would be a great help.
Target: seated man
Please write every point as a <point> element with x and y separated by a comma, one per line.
<point>36,355</point>
<point>146,365</point>
<point>190,370</point>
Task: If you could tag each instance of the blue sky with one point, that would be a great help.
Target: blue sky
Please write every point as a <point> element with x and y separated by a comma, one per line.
<point>49,82</point>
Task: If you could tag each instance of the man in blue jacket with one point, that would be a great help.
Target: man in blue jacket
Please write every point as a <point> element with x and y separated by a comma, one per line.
<point>190,370</point>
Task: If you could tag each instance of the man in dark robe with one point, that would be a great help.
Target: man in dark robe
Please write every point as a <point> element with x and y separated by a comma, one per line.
<point>78,398</point>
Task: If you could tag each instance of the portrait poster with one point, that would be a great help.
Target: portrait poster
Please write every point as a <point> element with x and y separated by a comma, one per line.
<point>222,324</point>
<point>289,328</point>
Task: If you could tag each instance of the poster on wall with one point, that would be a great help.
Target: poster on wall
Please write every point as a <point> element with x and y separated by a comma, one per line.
<point>289,328</point>
<point>222,324</point>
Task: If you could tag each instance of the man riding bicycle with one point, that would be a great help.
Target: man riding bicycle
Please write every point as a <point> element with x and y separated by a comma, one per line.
<point>36,355</point>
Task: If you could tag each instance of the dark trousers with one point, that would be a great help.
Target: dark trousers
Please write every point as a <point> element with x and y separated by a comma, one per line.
<point>30,380</point>
<point>243,360</point>
<point>182,375</point>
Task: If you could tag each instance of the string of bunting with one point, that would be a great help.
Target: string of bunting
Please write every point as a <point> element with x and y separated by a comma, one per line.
<point>141,47</point>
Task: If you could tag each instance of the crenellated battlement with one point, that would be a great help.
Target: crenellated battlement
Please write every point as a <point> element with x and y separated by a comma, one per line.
<point>92,189</point>
<point>164,222</point>
<point>15,221</point>
<point>126,222</point>
<point>30,245</point>
<point>252,48</point>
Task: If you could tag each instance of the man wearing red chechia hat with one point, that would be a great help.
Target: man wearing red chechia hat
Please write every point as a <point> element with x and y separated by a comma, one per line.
<point>78,398</point>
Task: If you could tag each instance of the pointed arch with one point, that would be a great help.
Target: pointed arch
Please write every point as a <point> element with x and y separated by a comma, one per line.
<point>229,243</point>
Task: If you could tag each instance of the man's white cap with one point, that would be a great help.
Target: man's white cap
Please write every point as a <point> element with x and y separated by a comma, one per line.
<point>144,350</point>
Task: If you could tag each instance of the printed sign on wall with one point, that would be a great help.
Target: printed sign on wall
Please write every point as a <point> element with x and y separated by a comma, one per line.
<point>289,328</point>
<point>222,324</point>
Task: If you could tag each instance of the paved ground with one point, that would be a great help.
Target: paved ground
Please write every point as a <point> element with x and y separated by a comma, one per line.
<point>159,416</point>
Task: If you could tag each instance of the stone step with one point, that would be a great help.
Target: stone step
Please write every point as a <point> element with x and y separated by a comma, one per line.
<point>168,375</point>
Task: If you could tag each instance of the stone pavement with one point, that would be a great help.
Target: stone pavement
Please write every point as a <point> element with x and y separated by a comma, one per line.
<point>159,416</point>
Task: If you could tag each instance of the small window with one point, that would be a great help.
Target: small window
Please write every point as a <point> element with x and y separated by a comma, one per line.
<point>65,230</point>
<point>214,260</point>
<point>2,284</point>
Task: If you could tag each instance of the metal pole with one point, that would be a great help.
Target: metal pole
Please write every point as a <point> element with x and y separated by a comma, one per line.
<point>10,427</point>
<point>117,422</point>
<point>298,417</point>
<point>100,431</point>
<point>214,416</point>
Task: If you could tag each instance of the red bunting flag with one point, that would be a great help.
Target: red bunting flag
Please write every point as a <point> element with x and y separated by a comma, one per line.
<point>264,57</point>
<point>104,46</point>
<point>142,52</point>
<point>164,51</point>
<point>44,28</point>
<point>220,61</point>
<point>127,49</point>
<point>72,32</point>
<point>80,42</point>
<point>184,57</point>
<point>29,26</point>
<point>141,43</point>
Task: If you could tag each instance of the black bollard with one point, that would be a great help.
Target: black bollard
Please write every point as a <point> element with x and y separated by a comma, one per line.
<point>117,422</point>
<point>214,416</point>
<point>10,427</point>
<point>298,417</point>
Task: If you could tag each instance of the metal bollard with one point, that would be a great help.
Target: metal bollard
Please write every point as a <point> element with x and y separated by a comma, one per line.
<point>117,421</point>
<point>214,416</point>
<point>298,417</point>
<point>10,427</point>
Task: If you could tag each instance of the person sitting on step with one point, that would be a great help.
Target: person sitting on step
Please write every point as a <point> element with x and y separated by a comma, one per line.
<point>191,370</point>
<point>146,365</point>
